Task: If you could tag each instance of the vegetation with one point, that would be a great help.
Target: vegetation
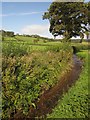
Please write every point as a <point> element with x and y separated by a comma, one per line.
<point>68,19</point>
<point>7,33</point>
<point>28,73</point>
<point>74,104</point>
<point>33,64</point>
<point>83,46</point>
<point>31,68</point>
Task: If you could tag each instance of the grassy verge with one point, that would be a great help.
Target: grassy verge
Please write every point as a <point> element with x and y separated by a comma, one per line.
<point>81,46</point>
<point>74,104</point>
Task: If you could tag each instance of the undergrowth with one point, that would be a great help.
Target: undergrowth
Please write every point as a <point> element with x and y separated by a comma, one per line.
<point>25,78</point>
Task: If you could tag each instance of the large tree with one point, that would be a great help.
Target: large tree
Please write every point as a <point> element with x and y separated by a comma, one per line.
<point>67,18</point>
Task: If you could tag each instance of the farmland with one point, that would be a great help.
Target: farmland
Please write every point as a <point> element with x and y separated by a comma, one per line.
<point>31,67</point>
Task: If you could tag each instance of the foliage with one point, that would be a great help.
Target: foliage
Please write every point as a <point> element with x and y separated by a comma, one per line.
<point>14,49</point>
<point>24,45</point>
<point>25,78</point>
<point>67,18</point>
<point>0,100</point>
<point>30,69</point>
<point>7,33</point>
<point>62,46</point>
<point>82,46</point>
<point>74,104</point>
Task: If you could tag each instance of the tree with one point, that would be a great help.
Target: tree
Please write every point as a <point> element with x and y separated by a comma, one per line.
<point>82,37</point>
<point>10,33</point>
<point>6,33</point>
<point>87,35</point>
<point>67,18</point>
<point>2,33</point>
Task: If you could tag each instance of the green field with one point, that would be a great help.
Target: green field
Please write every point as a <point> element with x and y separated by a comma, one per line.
<point>29,68</point>
<point>45,78</point>
<point>20,44</point>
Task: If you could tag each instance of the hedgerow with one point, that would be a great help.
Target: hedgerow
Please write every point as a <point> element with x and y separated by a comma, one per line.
<point>26,77</point>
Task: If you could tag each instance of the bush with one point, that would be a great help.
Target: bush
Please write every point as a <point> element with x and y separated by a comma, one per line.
<point>15,49</point>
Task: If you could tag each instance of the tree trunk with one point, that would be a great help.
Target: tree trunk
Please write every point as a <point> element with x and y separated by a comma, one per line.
<point>81,40</point>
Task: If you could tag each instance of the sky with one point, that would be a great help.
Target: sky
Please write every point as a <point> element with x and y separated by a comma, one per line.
<point>25,18</point>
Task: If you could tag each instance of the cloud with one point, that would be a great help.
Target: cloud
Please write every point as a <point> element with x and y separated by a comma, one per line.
<point>39,29</point>
<point>20,14</point>
<point>36,29</point>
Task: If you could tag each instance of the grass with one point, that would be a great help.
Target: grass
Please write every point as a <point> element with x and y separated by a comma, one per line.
<point>37,66</point>
<point>25,45</point>
<point>29,40</point>
<point>81,46</point>
<point>74,104</point>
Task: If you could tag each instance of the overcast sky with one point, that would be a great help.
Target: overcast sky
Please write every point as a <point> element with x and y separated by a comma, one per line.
<point>25,17</point>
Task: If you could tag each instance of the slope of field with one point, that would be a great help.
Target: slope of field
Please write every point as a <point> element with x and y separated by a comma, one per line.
<point>74,104</point>
<point>20,45</point>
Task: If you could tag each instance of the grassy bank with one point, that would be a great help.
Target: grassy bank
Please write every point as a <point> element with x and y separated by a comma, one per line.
<point>27,74</point>
<point>74,104</point>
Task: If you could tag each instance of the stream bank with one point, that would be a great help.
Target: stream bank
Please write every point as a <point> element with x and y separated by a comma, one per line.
<point>49,99</point>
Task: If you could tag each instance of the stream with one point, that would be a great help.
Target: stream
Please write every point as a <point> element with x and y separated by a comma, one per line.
<point>50,98</point>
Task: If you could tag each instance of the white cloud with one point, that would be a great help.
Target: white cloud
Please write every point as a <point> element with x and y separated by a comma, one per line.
<point>20,14</point>
<point>36,29</point>
<point>42,30</point>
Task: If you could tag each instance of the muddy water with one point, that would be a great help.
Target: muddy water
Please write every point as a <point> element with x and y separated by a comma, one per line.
<point>50,98</point>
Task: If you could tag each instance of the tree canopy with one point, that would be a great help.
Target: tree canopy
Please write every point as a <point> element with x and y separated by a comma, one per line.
<point>69,19</point>
<point>7,33</point>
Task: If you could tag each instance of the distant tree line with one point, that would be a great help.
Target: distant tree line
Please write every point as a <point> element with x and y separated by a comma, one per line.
<point>7,33</point>
<point>36,36</point>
